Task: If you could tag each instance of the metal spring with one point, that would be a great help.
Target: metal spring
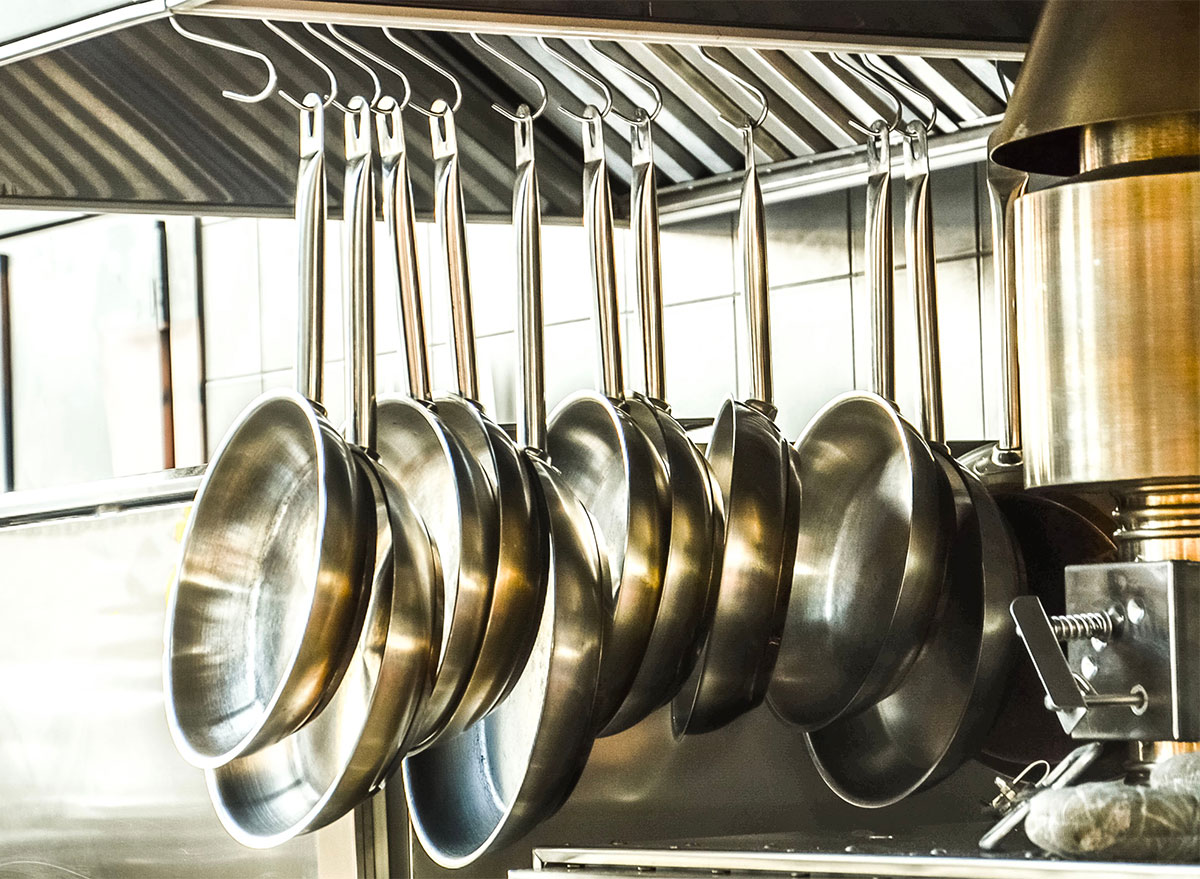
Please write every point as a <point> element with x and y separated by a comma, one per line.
<point>1078,626</point>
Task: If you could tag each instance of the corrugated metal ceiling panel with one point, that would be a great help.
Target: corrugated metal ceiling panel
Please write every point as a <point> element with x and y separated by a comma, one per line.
<point>136,117</point>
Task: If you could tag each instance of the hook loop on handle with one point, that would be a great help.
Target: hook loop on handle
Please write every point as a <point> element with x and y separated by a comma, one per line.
<point>272,75</point>
<point>597,220</point>
<point>922,280</point>
<point>644,217</point>
<point>359,281</point>
<point>401,225</point>
<point>1005,186</point>
<point>880,273</point>
<point>531,427</point>
<point>752,240</point>
<point>310,225</point>
<point>451,220</point>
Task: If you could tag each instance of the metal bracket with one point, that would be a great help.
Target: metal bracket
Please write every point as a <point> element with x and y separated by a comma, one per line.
<point>1066,693</point>
<point>1137,652</point>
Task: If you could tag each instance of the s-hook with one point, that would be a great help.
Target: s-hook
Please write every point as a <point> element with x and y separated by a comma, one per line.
<point>644,82</point>
<point>386,65</point>
<point>272,75</point>
<point>325,68</point>
<point>867,78</point>
<point>376,85</point>
<point>754,91</point>
<point>524,114</point>
<point>592,78</point>
<point>884,72</point>
<point>433,65</point>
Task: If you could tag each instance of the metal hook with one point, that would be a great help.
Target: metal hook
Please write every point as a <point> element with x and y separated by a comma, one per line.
<point>353,59</point>
<point>428,62</point>
<point>883,70</point>
<point>518,117</point>
<point>594,80</point>
<point>325,68</point>
<point>644,82</point>
<point>272,76</point>
<point>367,53</point>
<point>865,76</point>
<point>751,89</point>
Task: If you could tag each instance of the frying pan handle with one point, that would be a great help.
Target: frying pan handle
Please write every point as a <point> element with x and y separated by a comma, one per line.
<point>644,214</point>
<point>398,214</point>
<point>752,238</point>
<point>1005,186</point>
<point>597,220</point>
<point>310,222</point>
<point>880,274</point>
<point>359,281</point>
<point>531,427</point>
<point>451,220</point>
<point>918,228</point>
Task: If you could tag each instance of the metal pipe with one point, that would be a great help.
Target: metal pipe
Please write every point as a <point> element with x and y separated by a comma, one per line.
<point>801,178</point>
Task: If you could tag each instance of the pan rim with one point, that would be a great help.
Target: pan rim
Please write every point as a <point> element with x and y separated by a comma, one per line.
<point>988,652</point>
<point>562,617</point>
<point>724,707</point>
<point>385,609</point>
<point>917,457</point>
<point>643,536</point>
<point>317,429</point>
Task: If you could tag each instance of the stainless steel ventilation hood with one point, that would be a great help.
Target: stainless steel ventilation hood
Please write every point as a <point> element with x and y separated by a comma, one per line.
<point>113,110</point>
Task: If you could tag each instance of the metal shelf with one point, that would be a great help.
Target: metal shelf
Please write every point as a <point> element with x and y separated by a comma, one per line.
<point>946,852</point>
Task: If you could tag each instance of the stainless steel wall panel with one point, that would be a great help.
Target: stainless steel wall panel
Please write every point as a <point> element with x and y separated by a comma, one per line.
<point>813,331</point>
<point>92,783</point>
<point>753,776</point>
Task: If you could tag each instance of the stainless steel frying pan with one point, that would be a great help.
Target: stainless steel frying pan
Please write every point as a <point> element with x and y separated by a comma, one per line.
<point>756,470</point>
<point>446,483</point>
<point>697,532</point>
<point>317,774</point>
<point>876,523</point>
<point>269,596</point>
<point>476,792</point>
<point>941,711</point>
<point>608,461</point>
<point>491,660</point>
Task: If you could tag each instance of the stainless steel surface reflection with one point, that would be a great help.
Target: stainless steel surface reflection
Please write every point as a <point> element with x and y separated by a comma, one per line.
<point>1109,307</point>
<point>89,778</point>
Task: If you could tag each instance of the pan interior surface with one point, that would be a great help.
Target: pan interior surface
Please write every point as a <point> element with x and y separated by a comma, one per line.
<point>315,775</point>
<point>693,565</point>
<point>418,453</point>
<point>612,467</point>
<point>897,746</point>
<point>587,445</point>
<point>472,485</point>
<point>491,784</point>
<point>466,421</point>
<point>854,541</point>
<point>254,594</point>
<point>752,465</point>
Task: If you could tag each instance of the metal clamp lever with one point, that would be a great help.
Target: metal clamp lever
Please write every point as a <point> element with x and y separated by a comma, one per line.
<point>1066,692</point>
